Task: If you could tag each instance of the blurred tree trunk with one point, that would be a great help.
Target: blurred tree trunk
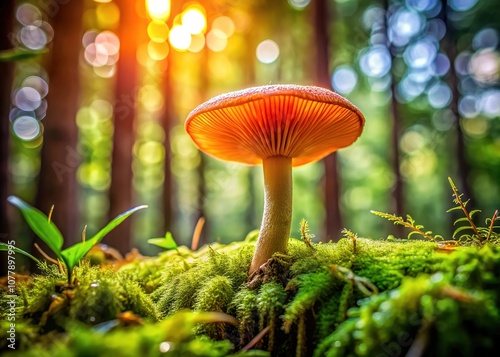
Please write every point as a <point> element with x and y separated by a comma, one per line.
<point>6,16</point>
<point>398,198</point>
<point>121,189</point>
<point>59,159</point>
<point>249,64</point>
<point>449,45</point>
<point>200,170</point>
<point>333,218</point>
<point>396,128</point>
<point>167,121</point>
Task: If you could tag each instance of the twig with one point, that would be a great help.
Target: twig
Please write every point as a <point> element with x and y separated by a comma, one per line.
<point>256,339</point>
<point>197,233</point>
<point>49,217</point>
<point>492,224</point>
<point>45,255</point>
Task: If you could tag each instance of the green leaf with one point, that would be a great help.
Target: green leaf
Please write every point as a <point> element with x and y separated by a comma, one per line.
<point>462,219</point>
<point>17,54</point>
<point>473,212</point>
<point>167,243</point>
<point>39,223</point>
<point>458,208</point>
<point>459,229</point>
<point>6,247</point>
<point>73,254</point>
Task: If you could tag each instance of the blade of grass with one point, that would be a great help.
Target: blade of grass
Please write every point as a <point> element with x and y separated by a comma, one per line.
<point>39,223</point>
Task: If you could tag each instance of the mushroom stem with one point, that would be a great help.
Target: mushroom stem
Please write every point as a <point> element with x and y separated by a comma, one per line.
<point>277,217</point>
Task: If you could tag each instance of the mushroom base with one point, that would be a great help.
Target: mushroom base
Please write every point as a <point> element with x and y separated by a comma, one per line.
<point>277,216</point>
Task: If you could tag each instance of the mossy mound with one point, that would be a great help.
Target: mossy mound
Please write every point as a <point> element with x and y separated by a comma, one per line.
<point>352,298</point>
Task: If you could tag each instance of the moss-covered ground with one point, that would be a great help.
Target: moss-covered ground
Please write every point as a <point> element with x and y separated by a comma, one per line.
<point>352,298</point>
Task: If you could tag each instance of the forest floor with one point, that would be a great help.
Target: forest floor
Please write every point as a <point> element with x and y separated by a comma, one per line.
<point>357,297</point>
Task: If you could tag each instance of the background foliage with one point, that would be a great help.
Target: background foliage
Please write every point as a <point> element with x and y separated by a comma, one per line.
<point>424,73</point>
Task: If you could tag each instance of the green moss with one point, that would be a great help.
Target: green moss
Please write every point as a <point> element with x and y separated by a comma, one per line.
<point>314,299</point>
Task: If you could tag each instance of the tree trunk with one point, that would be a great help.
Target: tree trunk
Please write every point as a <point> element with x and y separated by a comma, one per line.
<point>6,16</point>
<point>200,170</point>
<point>168,120</point>
<point>396,128</point>
<point>333,218</point>
<point>450,48</point>
<point>59,159</point>
<point>121,189</point>
<point>398,193</point>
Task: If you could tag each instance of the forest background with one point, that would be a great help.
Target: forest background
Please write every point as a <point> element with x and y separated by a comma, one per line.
<point>94,124</point>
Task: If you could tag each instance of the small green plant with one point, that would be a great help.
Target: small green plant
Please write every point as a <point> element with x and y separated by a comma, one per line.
<point>167,243</point>
<point>49,233</point>
<point>408,223</point>
<point>305,234</point>
<point>479,235</point>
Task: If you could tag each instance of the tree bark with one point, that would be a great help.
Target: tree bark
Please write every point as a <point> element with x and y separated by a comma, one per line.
<point>6,69</point>
<point>121,188</point>
<point>59,159</point>
<point>333,217</point>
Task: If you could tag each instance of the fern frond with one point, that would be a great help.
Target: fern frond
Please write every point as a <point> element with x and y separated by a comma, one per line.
<point>409,223</point>
<point>468,215</point>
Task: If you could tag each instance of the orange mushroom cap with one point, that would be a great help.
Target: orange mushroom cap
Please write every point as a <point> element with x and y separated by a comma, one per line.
<point>305,123</point>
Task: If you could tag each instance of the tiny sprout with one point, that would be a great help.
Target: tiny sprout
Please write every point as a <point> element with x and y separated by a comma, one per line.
<point>306,236</point>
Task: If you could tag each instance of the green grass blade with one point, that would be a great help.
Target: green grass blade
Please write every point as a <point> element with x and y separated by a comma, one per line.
<point>73,254</point>
<point>16,54</point>
<point>113,224</point>
<point>6,247</point>
<point>39,223</point>
<point>167,243</point>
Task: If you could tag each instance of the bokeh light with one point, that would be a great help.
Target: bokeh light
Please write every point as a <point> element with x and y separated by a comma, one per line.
<point>36,83</point>
<point>267,51</point>
<point>486,38</point>
<point>158,31</point>
<point>180,38</point>
<point>27,98</point>
<point>158,51</point>
<point>468,106</point>
<point>462,5</point>
<point>27,14</point>
<point>344,79</point>
<point>26,128</point>
<point>484,66</point>
<point>439,95</point>
<point>375,61</point>
<point>197,43</point>
<point>216,40</point>
<point>373,15</point>
<point>404,24</point>
<point>108,15</point>
<point>224,24</point>
<point>299,4</point>
<point>158,9</point>
<point>103,50</point>
<point>32,37</point>
<point>420,54</point>
<point>490,103</point>
<point>193,20</point>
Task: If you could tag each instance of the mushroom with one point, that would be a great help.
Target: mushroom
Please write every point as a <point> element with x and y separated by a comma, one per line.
<point>278,126</point>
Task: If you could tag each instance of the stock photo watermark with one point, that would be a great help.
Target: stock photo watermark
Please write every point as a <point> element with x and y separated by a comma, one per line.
<point>11,293</point>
